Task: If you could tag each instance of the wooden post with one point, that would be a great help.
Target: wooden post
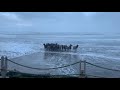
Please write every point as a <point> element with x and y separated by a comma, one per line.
<point>3,67</point>
<point>6,65</point>
<point>2,62</point>
<point>82,69</point>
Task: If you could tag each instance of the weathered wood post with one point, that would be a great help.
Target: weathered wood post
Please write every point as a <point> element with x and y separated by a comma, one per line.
<point>3,66</point>
<point>82,69</point>
<point>6,65</point>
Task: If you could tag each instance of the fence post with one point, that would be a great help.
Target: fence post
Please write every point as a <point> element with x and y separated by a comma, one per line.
<point>2,62</point>
<point>82,69</point>
<point>3,67</point>
<point>6,65</point>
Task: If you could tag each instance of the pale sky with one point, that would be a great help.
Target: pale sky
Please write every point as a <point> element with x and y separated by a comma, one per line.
<point>60,22</point>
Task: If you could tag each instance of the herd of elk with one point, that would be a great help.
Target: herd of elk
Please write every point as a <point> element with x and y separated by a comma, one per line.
<point>57,47</point>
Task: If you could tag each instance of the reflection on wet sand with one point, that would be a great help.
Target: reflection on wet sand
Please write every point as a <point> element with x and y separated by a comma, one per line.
<point>68,57</point>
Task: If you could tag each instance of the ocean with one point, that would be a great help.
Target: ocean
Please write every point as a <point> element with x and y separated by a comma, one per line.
<point>99,49</point>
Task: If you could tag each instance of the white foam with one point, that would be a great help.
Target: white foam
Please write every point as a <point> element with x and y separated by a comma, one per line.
<point>100,55</point>
<point>12,49</point>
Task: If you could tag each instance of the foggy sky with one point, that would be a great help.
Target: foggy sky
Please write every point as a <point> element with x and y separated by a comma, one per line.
<point>60,22</point>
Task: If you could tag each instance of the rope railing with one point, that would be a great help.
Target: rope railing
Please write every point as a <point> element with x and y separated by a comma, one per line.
<point>66,75</point>
<point>64,66</point>
<point>95,76</point>
<point>15,71</point>
<point>44,68</point>
<point>103,67</point>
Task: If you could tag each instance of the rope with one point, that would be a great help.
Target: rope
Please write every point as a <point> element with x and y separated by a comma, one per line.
<point>5,69</point>
<point>45,68</point>
<point>67,75</point>
<point>64,66</point>
<point>95,76</point>
<point>103,67</point>
<point>89,75</point>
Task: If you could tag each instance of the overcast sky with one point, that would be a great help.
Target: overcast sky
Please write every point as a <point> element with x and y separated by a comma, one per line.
<point>60,22</point>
